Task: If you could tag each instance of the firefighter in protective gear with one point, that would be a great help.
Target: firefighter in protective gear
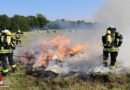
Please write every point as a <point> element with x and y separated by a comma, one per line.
<point>7,45</point>
<point>18,37</point>
<point>111,42</point>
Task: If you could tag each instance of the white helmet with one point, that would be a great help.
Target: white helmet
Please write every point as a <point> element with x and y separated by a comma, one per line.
<point>111,28</point>
<point>5,31</point>
<point>19,30</point>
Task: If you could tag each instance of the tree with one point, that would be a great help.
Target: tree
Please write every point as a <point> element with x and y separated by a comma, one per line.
<point>4,22</point>
<point>42,20</point>
<point>33,21</point>
<point>19,22</point>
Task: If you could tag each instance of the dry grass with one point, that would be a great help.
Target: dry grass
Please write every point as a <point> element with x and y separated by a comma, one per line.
<point>112,81</point>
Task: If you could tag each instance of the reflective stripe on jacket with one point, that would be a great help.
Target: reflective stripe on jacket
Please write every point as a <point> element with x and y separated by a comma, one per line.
<point>113,49</point>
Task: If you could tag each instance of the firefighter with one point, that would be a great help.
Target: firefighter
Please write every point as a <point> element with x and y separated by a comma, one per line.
<point>18,37</point>
<point>111,42</point>
<point>7,45</point>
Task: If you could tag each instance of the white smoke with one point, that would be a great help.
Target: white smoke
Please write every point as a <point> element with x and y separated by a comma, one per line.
<point>85,62</point>
<point>113,12</point>
<point>117,12</point>
<point>90,61</point>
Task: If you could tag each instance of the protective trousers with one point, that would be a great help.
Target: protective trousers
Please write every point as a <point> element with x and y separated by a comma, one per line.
<point>113,56</point>
<point>3,58</point>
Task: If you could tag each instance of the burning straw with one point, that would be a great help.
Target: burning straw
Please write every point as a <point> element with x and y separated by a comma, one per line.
<point>57,48</point>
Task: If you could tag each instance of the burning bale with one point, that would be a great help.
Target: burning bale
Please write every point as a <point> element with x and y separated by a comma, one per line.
<point>58,49</point>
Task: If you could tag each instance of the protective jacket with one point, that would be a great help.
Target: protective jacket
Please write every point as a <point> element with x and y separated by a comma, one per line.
<point>117,40</point>
<point>7,44</point>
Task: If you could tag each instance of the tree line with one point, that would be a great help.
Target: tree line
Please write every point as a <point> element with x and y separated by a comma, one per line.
<point>18,22</point>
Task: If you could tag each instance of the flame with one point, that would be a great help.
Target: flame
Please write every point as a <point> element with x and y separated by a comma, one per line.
<point>60,46</point>
<point>49,56</point>
<point>43,60</point>
<point>77,48</point>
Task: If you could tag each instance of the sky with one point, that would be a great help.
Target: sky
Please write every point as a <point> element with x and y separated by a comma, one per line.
<point>52,9</point>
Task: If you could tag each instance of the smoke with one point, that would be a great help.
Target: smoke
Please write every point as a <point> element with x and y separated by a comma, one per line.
<point>117,13</point>
<point>85,62</point>
<point>113,12</point>
<point>69,25</point>
<point>91,60</point>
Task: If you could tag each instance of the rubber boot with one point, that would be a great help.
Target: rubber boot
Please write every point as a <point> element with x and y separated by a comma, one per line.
<point>5,74</point>
<point>14,69</point>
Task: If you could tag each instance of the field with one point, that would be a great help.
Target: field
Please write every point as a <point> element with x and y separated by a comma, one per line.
<point>21,81</point>
<point>96,81</point>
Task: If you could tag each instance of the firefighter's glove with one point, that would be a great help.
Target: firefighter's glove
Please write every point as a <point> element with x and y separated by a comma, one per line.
<point>13,48</point>
<point>118,46</point>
